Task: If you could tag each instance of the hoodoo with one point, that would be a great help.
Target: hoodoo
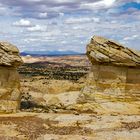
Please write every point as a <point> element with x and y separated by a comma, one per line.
<point>115,68</point>
<point>10,60</point>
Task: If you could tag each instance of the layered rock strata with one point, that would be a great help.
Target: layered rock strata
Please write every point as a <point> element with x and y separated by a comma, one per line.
<point>115,68</point>
<point>10,60</point>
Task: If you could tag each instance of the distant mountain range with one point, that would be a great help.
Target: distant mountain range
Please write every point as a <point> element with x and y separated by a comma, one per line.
<point>49,53</point>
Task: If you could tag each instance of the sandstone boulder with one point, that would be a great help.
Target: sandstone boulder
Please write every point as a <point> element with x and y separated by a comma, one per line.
<point>9,78</point>
<point>103,51</point>
<point>115,68</point>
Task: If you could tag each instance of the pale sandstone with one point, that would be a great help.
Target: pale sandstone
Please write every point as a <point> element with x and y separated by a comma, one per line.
<point>113,83</point>
<point>103,51</point>
<point>9,78</point>
<point>115,68</point>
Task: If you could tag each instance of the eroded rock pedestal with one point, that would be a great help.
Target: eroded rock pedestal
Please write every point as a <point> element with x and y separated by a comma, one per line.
<point>9,78</point>
<point>113,84</point>
<point>115,68</point>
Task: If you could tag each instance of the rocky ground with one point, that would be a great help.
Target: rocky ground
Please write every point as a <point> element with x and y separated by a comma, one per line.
<point>51,126</point>
<point>57,104</point>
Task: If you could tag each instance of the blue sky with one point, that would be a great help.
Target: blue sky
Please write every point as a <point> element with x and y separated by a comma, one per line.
<point>47,25</point>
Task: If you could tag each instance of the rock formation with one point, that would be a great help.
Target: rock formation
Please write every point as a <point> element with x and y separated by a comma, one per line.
<point>104,51</point>
<point>113,84</point>
<point>115,68</point>
<point>9,78</point>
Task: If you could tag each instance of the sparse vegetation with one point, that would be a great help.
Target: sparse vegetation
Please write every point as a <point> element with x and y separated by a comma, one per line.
<point>50,72</point>
<point>131,125</point>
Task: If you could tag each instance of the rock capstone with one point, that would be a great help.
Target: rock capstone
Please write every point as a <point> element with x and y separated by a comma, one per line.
<point>103,51</point>
<point>115,68</point>
<point>10,60</point>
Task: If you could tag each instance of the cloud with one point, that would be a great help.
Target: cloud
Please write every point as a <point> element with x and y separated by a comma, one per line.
<point>133,37</point>
<point>22,23</point>
<point>43,15</point>
<point>97,5</point>
<point>52,8</point>
<point>63,24</point>
<point>61,14</point>
<point>108,2</point>
<point>81,20</point>
<point>37,28</point>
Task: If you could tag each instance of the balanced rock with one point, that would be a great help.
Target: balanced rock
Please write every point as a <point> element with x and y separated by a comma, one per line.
<point>104,51</point>
<point>9,78</point>
<point>115,68</point>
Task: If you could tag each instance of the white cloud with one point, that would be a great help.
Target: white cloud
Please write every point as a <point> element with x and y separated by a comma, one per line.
<point>22,23</point>
<point>97,4</point>
<point>4,10</point>
<point>108,2</point>
<point>61,14</point>
<point>37,28</point>
<point>43,15</point>
<point>81,20</point>
<point>131,37</point>
<point>63,24</point>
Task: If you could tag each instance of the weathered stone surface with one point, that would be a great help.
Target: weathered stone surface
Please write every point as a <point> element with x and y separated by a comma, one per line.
<point>103,51</point>
<point>9,78</point>
<point>115,69</point>
<point>9,55</point>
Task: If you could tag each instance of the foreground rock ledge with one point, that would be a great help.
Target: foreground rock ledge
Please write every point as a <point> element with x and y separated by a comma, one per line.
<point>115,68</point>
<point>9,78</point>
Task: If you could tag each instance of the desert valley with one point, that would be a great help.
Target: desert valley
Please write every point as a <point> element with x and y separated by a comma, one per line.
<point>69,69</point>
<point>95,96</point>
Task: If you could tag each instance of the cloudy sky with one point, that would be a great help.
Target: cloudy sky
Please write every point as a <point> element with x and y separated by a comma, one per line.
<point>42,25</point>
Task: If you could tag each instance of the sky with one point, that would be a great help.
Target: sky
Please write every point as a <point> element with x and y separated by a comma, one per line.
<point>50,25</point>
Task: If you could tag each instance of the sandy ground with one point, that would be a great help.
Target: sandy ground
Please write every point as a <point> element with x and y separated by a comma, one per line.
<point>51,126</point>
<point>115,119</point>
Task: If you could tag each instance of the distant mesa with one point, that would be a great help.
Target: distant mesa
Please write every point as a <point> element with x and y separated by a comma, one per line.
<point>10,60</point>
<point>115,68</point>
<point>49,53</point>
